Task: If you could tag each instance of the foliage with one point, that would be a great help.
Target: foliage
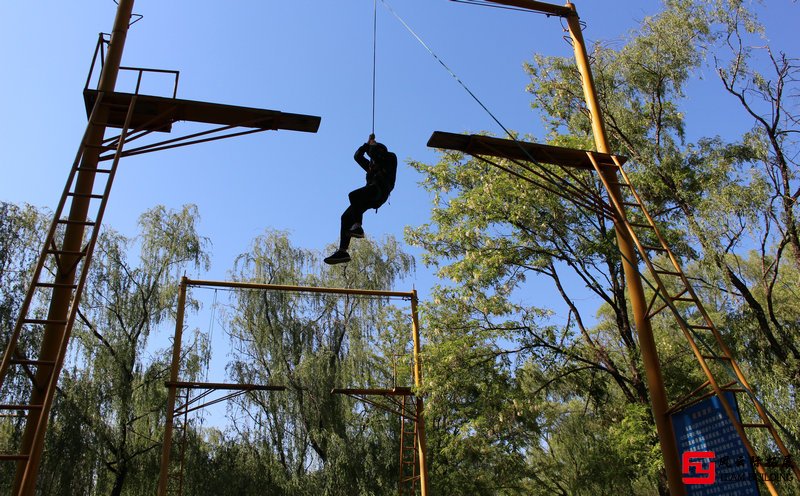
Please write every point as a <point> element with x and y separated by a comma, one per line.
<point>726,203</point>
<point>313,442</point>
<point>533,380</point>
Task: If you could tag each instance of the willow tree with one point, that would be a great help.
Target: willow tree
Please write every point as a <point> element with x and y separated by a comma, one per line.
<point>110,411</point>
<point>306,440</point>
<point>20,240</point>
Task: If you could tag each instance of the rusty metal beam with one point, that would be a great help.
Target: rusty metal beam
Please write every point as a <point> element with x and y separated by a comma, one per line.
<point>175,109</point>
<point>223,386</point>
<point>476,144</point>
<point>534,6</point>
<point>397,391</point>
<point>299,289</point>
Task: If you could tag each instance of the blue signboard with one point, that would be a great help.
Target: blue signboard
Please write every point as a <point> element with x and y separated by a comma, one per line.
<point>714,460</point>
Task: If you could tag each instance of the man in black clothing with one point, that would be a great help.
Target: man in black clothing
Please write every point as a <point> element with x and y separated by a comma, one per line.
<point>381,168</point>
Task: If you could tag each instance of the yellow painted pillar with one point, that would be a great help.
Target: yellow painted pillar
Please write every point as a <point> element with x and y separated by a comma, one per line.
<point>166,447</point>
<point>421,445</point>
<point>655,381</point>
<point>54,333</point>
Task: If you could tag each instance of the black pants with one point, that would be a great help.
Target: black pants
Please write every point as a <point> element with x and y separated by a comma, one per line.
<point>361,200</point>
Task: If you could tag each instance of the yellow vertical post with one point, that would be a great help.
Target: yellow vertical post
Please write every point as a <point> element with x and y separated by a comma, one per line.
<point>421,446</point>
<point>655,381</point>
<point>36,425</point>
<point>166,447</point>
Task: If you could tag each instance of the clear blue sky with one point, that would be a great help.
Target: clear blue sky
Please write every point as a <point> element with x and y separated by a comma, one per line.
<point>298,56</point>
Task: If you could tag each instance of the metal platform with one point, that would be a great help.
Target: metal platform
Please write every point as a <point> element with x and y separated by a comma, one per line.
<point>154,113</point>
<point>475,144</point>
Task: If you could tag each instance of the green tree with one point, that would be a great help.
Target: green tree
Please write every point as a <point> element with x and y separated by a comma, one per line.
<point>500,240</point>
<point>111,408</point>
<point>20,244</point>
<point>305,440</point>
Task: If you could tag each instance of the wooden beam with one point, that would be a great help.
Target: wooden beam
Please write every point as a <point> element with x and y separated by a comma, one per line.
<point>476,144</point>
<point>157,113</point>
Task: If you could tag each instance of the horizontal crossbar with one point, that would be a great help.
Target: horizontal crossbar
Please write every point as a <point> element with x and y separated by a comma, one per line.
<point>475,144</point>
<point>298,289</point>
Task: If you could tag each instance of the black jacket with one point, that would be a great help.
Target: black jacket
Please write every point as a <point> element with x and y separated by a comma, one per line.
<point>381,169</point>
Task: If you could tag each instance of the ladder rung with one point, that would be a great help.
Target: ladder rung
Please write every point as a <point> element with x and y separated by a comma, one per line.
<point>89,169</point>
<point>101,147</point>
<point>56,285</point>
<point>86,195</point>
<point>26,361</point>
<point>715,357</point>
<point>13,457</point>
<point>756,426</point>
<point>44,321</point>
<point>734,389</point>
<point>682,298</point>
<point>619,184</point>
<point>20,407</point>
<point>654,248</point>
<point>77,222</point>
<point>639,224</point>
<point>700,326</point>
<point>657,311</point>
<point>66,252</point>
<point>667,272</point>
<point>630,204</point>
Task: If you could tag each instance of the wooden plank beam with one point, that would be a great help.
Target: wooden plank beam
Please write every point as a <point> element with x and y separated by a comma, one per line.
<point>170,110</point>
<point>475,144</point>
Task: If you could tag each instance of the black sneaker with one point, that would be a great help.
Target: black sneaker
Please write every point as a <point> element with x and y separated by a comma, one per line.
<point>356,232</point>
<point>340,256</point>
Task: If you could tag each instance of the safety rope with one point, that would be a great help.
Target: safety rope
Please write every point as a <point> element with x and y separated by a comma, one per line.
<point>374,56</point>
<point>447,68</point>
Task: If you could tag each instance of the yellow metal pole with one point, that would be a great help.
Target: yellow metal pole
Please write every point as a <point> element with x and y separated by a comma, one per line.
<point>166,447</point>
<point>299,289</point>
<point>655,381</point>
<point>32,441</point>
<point>421,444</point>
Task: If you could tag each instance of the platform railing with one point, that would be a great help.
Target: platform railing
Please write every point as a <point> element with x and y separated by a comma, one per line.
<point>99,53</point>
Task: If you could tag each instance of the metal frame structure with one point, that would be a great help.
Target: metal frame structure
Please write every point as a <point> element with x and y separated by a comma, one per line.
<point>417,449</point>
<point>630,241</point>
<point>63,264</point>
<point>71,240</point>
<point>403,404</point>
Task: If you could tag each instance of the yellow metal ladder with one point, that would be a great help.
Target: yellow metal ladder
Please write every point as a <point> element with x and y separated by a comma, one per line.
<point>407,480</point>
<point>181,416</point>
<point>60,272</point>
<point>701,331</point>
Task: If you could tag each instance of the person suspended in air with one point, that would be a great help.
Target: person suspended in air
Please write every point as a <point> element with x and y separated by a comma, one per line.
<point>381,169</point>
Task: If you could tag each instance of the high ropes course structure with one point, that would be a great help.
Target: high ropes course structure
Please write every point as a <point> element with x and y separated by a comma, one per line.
<point>61,271</point>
